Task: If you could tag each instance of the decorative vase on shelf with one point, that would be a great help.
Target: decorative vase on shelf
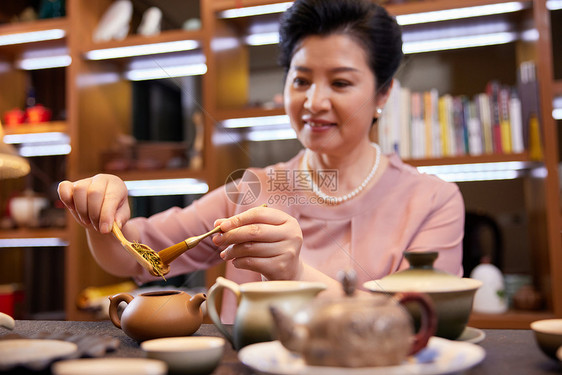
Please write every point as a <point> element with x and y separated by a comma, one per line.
<point>115,22</point>
<point>491,297</point>
<point>151,20</point>
<point>25,209</point>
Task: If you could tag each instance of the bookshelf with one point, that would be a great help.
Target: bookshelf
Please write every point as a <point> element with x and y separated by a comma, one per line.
<point>98,105</point>
<point>473,68</point>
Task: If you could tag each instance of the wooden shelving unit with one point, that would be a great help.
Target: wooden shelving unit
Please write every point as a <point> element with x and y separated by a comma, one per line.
<point>61,233</point>
<point>557,88</point>
<point>509,320</point>
<point>98,110</point>
<point>492,158</point>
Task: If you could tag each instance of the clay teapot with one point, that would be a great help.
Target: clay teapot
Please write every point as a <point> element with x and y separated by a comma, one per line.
<point>157,314</point>
<point>352,331</point>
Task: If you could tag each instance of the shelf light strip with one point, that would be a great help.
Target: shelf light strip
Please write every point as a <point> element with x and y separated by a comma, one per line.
<point>255,10</point>
<point>166,72</point>
<point>554,4</point>
<point>459,13</point>
<point>271,135</point>
<point>405,19</point>
<point>45,150</point>
<point>57,137</point>
<point>37,63</point>
<point>459,42</point>
<point>255,121</point>
<point>475,167</point>
<point>180,186</point>
<point>479,176</point>
<point>262,39</point>
<point>33,36</point>
<point>141,50</point>
<point>417,46</point>
<point>32,242</point>
<point>481,171</point>
<point>557,108</point>
<point>40,144</point>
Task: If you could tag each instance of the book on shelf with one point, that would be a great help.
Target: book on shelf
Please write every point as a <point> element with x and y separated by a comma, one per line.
<point>527,88</point>
<point>475,144</point>
<point>446,121</point>
<point>431,111</point>
<point>485,116</point>
<point>505,132</point>
<point>404,111</point>
<point>418,126</point>
<point>515,116</point>
<point>493,92</point>
<point>459,126</point>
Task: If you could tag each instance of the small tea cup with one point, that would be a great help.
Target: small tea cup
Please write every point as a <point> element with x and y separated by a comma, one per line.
<point>548,335</point>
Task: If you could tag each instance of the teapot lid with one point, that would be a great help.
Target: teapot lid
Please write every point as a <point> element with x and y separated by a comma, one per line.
<point>338,306</point>
<point>421,277</point>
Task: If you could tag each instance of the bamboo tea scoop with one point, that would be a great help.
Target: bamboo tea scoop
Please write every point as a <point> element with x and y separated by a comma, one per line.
<point>143,254</point>
<point>170,253</point>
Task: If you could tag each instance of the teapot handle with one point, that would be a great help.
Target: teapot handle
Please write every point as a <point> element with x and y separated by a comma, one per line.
<point>428,320</point>
<point>221,283</point>
<point>114,302</point>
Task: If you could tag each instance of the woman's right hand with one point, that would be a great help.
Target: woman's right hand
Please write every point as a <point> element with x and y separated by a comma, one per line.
<point>96,202</point>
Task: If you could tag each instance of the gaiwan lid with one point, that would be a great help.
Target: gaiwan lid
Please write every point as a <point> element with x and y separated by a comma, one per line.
<point>421,277</point>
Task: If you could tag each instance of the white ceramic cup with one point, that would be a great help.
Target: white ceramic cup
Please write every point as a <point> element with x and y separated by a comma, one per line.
<point>25,210</point>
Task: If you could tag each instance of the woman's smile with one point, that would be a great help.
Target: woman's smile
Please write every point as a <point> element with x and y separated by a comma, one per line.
<point>319,125</point>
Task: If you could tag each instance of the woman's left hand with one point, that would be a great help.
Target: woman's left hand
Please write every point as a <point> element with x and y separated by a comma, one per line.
<point>263,240</point>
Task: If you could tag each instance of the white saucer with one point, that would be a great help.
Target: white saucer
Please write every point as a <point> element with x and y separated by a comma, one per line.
<point>472,335</point>
<point>123,366</point>
<point>440,357</point>
<point>33,353</point>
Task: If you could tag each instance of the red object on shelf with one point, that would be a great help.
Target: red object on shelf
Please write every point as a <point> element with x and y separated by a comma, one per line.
<point>11,300</point>
<point>38,113</point>
<point>14,117</point>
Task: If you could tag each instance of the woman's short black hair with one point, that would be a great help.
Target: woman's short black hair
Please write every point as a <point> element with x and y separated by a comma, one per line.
<point>369,24</point>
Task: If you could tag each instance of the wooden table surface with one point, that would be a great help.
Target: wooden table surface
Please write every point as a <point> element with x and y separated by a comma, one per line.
<point>509,352</point>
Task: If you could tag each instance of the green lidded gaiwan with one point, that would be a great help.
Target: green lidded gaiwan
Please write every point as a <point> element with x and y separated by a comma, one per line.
<point>451,295</point>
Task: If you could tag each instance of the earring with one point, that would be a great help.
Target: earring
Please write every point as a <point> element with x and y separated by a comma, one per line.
<point>379,111</point>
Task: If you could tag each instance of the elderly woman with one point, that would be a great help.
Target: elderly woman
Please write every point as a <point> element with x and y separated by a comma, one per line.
<point>338,204</point>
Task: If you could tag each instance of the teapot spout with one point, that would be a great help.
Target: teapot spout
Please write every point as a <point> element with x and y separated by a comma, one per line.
<point>196,301</point>
<point>293,336</point>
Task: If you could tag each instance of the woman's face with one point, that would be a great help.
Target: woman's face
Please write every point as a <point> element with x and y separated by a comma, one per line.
<point>329,94</point>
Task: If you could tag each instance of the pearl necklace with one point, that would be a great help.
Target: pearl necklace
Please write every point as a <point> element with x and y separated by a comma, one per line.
<point>337,200</point>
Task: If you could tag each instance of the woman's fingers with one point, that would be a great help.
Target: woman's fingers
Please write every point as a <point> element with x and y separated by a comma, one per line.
<point>256,249</point>
<point>108,202</point>
<point>263,240</point>
<point>80,195</point>
<point>279,267</point>
<point>96,202</point>
<point>66,194</point>
<point>261,214</point>
<point>252,233</point>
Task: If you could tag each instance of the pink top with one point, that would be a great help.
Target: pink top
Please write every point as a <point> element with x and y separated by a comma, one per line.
<point>403,211</point>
